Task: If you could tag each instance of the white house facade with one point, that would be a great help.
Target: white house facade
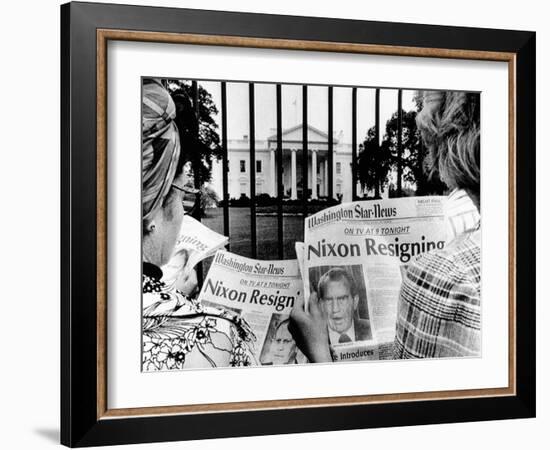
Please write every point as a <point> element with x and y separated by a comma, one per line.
<point>266,167</point>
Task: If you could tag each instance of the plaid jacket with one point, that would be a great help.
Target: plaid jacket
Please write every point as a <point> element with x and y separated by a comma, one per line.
<point>439,313</point>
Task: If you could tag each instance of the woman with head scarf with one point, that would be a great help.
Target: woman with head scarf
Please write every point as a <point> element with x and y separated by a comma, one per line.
<point>439,309</point>
<point>178,332</point>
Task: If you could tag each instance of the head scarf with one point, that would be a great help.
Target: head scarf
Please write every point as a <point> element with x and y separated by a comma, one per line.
<point>160,146</point>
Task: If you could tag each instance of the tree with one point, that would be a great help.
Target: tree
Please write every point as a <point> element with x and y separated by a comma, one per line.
<point>412,155</point>
<point>201,146</point>
<point>376,163</point>
<point>208,199</point>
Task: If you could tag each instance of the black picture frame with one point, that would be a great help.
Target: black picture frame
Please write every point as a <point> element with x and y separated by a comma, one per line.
<point>81,425</point>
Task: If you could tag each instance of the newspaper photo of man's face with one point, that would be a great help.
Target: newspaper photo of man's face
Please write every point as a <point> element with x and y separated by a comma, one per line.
<point>283,346</point>
<point>339,296</point>
<point>279,347</point>
<point>338,304</point>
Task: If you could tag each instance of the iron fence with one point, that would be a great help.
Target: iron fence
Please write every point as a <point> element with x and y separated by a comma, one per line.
<point>279,157</point>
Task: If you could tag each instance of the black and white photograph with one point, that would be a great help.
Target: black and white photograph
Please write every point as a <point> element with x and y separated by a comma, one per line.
<point>385,178</point>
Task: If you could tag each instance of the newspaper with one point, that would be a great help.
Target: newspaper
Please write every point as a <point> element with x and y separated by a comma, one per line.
<point>263,293</point>
<point>195,243</point>
<point>352,262</point>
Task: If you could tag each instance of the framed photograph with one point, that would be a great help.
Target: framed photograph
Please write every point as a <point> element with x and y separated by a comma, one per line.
<point>278,224</point>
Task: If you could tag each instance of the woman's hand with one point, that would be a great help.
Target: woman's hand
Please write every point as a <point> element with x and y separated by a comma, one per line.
<point>187,282</point>
<point>309,330</point>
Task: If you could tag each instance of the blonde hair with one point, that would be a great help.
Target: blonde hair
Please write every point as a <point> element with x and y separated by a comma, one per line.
<point>449,123</point>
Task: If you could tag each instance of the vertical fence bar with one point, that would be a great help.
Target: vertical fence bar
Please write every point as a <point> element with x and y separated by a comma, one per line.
<point>354,167</point>
<point>196,125</point>
<point>279,173</point>
<point>252,137</point>
<point>377,139</point>
<point>330,146</point>
<point>225,164</point>
<point>196,164</point>
<point>305,161</point>
<point>399,141</point>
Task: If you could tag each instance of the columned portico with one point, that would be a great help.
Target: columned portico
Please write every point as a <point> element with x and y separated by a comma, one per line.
<point>292,170</point>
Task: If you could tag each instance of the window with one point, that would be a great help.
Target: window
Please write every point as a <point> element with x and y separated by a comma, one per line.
<point>338,168</point>
<point>244,189</point>
<point>338,188</point>
<point>258,167</point>
<point>242,164</point>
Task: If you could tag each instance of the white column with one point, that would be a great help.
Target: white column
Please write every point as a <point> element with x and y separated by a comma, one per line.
<point>314,173</point>
<point>273,170</point>
<point>321,173</point>
<point>325,177</point>
<point>293,191</point>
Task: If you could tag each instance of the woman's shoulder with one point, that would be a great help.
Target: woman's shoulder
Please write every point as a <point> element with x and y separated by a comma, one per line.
<point>171,304</point>
<point>439,312</point>
<point>460,259</point>
<point>445,276</point>
<point>180,332</point>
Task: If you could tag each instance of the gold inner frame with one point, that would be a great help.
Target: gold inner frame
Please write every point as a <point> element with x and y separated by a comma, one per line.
<point>103,36</point>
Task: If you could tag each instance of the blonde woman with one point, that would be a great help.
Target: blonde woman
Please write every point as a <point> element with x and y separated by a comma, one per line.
<point>439,310</point>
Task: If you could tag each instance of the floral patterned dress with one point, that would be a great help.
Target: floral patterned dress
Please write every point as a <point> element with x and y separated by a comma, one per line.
<point>180,333</point>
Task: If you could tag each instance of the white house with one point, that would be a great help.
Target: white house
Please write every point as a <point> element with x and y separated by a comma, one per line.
<point>266,169</point>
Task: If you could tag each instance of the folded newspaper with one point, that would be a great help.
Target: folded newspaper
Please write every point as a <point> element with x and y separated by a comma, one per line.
<point>263,293</point>
<point>352,261</point>
<point>195,243</point>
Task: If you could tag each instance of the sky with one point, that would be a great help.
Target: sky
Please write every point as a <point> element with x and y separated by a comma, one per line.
<point>265,108</point>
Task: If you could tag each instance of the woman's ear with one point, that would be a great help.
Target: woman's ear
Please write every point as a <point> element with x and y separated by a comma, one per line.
<point>148,226</point>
